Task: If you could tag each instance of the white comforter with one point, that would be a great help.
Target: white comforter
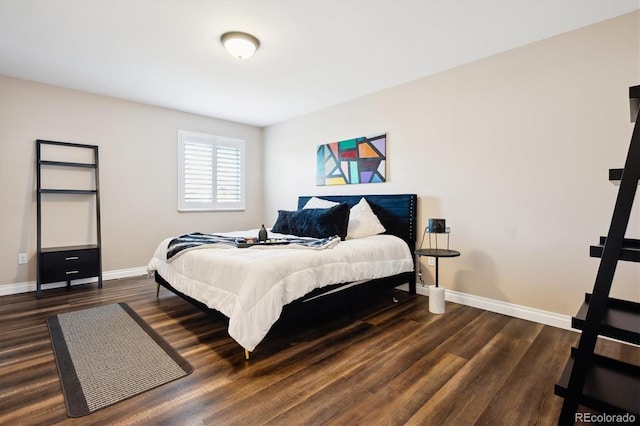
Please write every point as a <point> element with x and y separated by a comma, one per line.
<point>251,285</point>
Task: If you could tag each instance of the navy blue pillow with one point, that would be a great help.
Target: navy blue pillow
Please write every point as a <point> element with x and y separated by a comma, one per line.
<point>316,223</point>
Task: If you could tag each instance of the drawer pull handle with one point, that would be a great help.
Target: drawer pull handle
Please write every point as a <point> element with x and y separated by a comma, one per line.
<point>71,272</point>
<point>71,258</point>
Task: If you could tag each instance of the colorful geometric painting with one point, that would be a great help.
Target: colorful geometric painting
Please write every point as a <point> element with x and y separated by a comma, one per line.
<point>360,160</point>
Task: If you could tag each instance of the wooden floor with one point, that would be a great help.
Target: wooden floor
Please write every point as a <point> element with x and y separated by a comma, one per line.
<point>393,363</point>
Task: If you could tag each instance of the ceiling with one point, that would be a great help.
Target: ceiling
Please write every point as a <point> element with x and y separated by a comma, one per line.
<point>313,53</point>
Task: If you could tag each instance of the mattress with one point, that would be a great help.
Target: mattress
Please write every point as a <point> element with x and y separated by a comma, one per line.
<point>252,285</point>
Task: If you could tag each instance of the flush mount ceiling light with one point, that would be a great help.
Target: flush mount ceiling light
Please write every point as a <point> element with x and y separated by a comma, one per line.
<point>239,45</point>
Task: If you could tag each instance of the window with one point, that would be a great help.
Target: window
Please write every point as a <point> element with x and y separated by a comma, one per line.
<point>210,172</point>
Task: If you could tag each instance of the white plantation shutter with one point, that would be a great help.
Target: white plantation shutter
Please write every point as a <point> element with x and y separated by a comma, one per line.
<point>198,172</point>
<point>210,172</point>
<point>228,174</point>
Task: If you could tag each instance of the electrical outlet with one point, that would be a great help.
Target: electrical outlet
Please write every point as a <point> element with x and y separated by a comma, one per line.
<point>431,261</point>
<point>22,258</point>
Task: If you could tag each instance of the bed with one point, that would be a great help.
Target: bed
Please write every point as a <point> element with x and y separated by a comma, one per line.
<point>251,286</point>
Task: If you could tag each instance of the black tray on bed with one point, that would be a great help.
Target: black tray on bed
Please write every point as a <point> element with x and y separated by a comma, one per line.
<point>244,244</point>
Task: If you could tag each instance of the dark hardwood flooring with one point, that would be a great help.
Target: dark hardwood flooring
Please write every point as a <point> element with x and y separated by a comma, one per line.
<point>387,364</point>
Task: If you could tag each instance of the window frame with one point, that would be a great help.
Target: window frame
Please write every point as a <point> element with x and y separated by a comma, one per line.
<point>185,137</point>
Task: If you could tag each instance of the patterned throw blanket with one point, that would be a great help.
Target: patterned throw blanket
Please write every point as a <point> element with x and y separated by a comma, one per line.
<point>198,240</point>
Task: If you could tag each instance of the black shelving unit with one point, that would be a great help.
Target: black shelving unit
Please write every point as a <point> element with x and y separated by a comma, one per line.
<point>67,263</point>
<point>608,385</point>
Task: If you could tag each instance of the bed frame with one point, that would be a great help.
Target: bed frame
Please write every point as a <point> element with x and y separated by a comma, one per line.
<point>396,212</point>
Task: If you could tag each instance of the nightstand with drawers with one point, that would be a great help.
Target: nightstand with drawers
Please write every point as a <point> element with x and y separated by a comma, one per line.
<point>68,263</point>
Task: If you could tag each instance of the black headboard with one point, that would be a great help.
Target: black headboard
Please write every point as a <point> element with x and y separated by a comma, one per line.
<point>397,212</point>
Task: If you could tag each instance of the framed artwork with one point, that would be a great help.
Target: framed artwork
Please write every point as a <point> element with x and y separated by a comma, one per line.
<point>352,161</point>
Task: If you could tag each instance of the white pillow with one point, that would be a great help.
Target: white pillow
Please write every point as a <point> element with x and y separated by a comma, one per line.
<point>363,222</point>
<point>319,203</point>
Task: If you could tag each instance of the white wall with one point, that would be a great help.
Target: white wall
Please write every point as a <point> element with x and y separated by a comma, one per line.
<point>138,173</point>
<point>512,150</point>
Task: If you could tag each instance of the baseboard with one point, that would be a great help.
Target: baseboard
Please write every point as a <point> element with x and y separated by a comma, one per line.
<point>511,309</point>
<point>26,287</point>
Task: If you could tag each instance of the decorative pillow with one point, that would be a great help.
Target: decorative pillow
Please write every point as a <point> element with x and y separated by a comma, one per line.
<point>316,223</point>
<point>282,222</point>
<point>319,203</point>
<point>363,222</point>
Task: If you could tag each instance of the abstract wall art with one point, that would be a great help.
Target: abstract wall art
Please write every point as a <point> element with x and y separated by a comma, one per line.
<point>352,161</point>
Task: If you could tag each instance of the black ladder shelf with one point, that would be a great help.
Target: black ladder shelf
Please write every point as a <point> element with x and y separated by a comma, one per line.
<point>607,385</point>
<point>67,263</point>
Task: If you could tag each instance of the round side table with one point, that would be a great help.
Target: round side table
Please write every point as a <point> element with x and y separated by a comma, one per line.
<point>436,293</point>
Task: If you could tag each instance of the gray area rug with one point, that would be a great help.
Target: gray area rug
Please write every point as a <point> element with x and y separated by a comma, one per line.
<point>107,354</point>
